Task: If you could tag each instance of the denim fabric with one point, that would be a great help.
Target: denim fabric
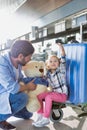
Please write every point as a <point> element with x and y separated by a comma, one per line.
<point>18,102</point>
<point>37,80</point>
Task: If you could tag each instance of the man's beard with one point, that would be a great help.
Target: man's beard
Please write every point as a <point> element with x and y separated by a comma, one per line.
<point>22,63</point>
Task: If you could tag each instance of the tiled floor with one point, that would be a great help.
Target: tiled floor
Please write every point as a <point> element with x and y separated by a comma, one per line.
<point>70,121</point>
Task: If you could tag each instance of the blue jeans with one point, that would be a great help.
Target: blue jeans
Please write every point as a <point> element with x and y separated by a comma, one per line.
<point>18,102</point>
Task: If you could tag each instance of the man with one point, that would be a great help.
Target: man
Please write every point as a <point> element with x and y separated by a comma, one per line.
<point>12,97</point>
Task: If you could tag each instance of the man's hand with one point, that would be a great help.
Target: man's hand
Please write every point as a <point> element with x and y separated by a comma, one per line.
<point>31,86</point>
<point>28,87</point>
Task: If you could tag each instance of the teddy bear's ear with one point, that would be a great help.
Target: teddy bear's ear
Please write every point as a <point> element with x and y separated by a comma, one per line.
<point>24,67</point>
<point>27,65</point>
<point>47,65</point>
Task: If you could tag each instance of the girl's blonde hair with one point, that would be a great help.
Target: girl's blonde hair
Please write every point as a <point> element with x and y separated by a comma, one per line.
<point>51,56</point>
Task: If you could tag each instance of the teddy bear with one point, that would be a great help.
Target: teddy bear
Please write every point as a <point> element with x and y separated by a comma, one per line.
<point>35,70</point>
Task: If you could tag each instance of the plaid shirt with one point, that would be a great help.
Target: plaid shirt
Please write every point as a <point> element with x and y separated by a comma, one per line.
<point>57,80</point>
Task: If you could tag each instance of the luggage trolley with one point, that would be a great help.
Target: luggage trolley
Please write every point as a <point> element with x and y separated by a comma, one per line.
<point>76,75</point>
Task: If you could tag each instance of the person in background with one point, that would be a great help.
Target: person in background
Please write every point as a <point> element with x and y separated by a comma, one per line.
<point>56,77</point>
<point>73,41</point>
<point>12,97</point>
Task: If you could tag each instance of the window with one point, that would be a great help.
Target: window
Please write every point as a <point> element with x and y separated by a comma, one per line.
<point>59,27</point>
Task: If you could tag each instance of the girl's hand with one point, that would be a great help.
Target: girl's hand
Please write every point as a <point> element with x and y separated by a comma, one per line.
<point>61,49</point>
<point>60,45</point>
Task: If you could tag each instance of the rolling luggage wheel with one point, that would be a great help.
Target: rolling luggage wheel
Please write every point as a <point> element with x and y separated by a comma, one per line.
<point>84,108</point>
<point>56,115</point>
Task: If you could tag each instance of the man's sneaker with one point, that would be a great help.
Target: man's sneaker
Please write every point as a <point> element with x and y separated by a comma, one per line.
<point>39,117</point>
<point>6,126</point>
<point>44,121</point>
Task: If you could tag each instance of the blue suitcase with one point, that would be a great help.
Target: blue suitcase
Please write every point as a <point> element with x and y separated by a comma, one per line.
<point>76,65</point>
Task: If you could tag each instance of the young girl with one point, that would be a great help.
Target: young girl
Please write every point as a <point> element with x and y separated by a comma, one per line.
<point>56,77</point>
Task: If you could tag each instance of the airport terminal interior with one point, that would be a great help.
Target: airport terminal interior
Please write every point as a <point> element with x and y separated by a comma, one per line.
<point>43,22</point>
